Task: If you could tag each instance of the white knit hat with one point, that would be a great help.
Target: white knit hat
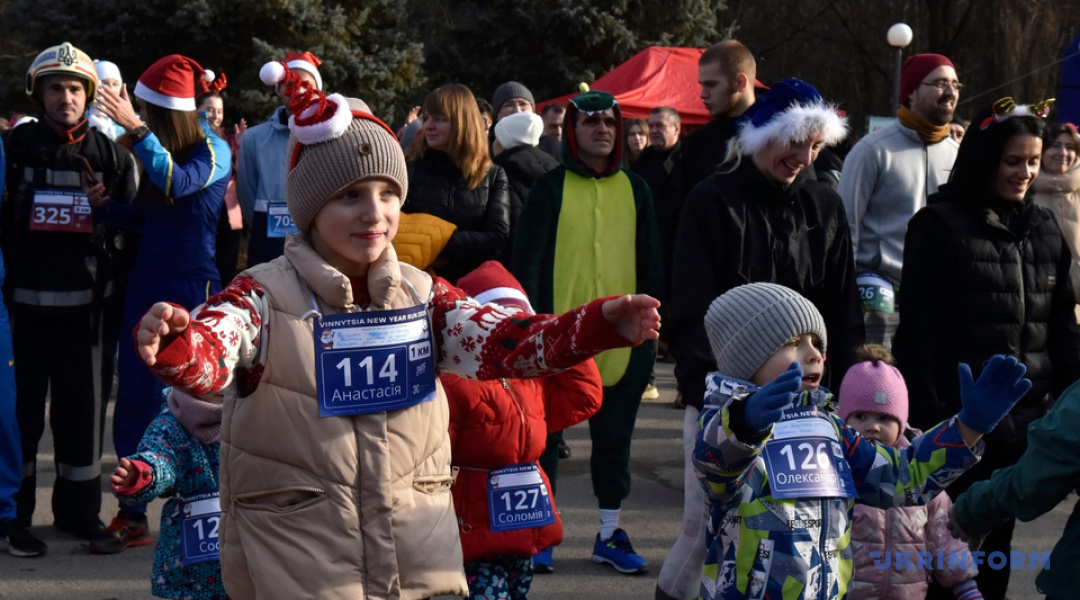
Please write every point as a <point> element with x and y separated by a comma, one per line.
<point>108,70</point>
<point>747,324</point>
<point>518,129</point>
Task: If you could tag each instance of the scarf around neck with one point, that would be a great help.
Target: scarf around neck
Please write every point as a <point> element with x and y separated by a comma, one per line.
<point>202,419</point>
<point>930,133</point>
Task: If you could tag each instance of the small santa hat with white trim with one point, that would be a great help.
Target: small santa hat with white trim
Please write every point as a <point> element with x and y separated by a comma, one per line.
<point>307,62</point>
<point>492,283</point>
<point>170,82</point>
<point>315,116</point>
<point>335,141</point>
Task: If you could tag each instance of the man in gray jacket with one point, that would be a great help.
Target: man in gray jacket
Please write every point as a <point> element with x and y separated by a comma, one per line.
<point>887,178</point>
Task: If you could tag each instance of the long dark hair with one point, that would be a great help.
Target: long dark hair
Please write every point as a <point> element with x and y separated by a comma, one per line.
<point>979,158</point>
<point>179,132</point>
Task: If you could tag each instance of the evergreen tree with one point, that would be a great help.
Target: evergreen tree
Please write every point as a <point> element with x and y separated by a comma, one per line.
<point>550,46</point>
<point>364,44</point>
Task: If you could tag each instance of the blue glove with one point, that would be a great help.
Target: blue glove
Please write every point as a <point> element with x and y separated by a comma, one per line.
<point>988,400</point>
<point>767,405</point>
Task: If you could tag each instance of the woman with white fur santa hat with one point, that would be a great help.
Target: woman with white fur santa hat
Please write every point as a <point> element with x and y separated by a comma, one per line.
<point>177,209</point>
<point>788,229</point>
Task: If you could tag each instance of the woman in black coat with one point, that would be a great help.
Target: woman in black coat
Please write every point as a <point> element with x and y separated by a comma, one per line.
<point>986,271</point>
<point>451,177</point>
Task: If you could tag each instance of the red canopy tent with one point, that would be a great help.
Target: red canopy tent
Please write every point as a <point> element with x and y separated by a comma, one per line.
<point>656,76</point>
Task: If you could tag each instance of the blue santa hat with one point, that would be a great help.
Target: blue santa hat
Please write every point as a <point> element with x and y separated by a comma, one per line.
<point>789,112</point>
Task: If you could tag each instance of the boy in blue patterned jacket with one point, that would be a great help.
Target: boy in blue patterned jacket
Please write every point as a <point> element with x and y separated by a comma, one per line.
<point>178,459</point>
<point>782,474</point>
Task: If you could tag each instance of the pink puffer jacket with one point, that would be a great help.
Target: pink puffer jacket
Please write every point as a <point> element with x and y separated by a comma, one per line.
<point>903,529</point>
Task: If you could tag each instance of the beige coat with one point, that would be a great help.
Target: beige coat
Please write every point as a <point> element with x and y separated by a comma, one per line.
<point>336,508</point>
<point>1060,194</point>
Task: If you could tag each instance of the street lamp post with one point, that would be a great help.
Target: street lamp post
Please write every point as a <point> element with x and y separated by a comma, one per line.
<point>899,37</point>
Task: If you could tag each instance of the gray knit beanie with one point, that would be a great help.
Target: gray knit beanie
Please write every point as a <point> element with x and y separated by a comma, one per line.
<point>509,91</point>
<point>747,324</point>
<point>366,149</point>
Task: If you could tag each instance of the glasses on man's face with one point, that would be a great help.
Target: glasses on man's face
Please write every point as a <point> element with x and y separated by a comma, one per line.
<point>941,84</point>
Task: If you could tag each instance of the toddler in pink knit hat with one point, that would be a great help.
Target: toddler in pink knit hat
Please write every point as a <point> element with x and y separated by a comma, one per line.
<point>874,402</point>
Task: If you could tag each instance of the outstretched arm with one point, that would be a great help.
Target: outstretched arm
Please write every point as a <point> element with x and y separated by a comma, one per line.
<point>487,341</point>
<point>200,354</point>
<point>1043,477</point>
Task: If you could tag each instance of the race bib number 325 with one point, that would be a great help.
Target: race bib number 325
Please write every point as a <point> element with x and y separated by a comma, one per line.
<point>61,210</point>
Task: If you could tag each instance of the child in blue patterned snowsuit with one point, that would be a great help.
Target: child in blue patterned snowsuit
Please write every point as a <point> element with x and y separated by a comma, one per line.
<point>178,459</point>
<point>782,473</point>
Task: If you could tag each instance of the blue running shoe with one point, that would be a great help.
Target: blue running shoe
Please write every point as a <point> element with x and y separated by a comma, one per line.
<point>618,553</point>
<point>542,562</point>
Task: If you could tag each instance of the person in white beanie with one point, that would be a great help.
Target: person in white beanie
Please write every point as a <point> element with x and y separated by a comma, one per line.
<point>109,77</point>
<point>516,140</point>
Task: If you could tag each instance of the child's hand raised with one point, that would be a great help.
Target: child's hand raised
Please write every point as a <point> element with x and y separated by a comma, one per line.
<point>125,476</point>
<point>159,326</point>
<point>634,317</point>
<point>986,401</point>
<point>767,405</point>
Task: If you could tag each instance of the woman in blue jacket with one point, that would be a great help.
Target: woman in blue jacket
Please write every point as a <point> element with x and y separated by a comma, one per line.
<point>187,171</point>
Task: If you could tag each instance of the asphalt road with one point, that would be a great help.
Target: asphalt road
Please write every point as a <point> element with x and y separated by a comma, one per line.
<point>652,517</point>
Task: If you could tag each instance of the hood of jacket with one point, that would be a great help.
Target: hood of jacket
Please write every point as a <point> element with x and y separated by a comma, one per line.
<point>721,389</point>
<point>588,103</point>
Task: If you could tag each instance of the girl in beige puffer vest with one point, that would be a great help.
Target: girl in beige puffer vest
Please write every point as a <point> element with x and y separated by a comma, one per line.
<point>335,474</point>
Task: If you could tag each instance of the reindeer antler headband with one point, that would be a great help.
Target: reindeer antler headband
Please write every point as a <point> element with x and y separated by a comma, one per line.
<point>1006,108</point>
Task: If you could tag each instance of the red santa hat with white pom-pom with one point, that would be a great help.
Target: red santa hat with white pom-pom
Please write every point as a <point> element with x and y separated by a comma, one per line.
<point>307,62</point>
<point>315,117</point>
<point>170,82</point>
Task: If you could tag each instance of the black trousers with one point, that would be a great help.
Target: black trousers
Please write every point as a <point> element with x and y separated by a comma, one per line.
<point>610,430</point>
<point>53,352</point>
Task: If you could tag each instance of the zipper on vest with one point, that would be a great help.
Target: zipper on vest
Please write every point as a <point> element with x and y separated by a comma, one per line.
<point>521,410</point>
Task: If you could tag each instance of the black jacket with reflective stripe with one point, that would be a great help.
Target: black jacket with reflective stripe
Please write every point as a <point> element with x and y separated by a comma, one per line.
<point>49,269</point>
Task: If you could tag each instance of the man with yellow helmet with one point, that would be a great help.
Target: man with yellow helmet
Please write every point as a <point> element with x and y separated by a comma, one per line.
<point>58,274</point>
